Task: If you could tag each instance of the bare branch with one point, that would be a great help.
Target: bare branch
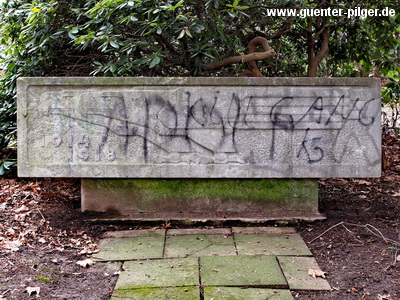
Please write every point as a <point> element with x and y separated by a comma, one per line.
<point>394,262</point>
<point>329,229</point>
<point>376,232</point>
<point>287,26</point>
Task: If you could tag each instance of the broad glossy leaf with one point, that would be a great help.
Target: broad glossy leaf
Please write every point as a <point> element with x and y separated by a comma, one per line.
<point>155,61</point>
<point>114,44</point>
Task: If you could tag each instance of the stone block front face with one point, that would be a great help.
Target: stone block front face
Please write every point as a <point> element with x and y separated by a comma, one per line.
<point>199,127</point>
<point>203,199</point>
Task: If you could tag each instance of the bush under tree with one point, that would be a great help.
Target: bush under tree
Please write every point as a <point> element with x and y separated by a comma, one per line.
<point>182,38</point>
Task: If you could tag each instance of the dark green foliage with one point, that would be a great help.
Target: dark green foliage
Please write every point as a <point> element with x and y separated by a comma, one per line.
<point>176,38</point>
<point>391,97</point>
<point>7,135</point>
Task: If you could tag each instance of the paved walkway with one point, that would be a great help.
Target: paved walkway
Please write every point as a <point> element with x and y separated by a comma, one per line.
<point>221,263</point>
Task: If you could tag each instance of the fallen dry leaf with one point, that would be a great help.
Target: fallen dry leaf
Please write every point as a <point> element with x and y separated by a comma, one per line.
<point>396,194</point>
<point>364,182</point>
<point>20,217</point>
<point>341,181</point>
<point>22,209</point>
<point>11,245</point>
<point>33,290</point>
<point>85,263</point>
<point>167,225</point>
<point>316,273</point>
<point>389,178</point>
<point>89,251</point>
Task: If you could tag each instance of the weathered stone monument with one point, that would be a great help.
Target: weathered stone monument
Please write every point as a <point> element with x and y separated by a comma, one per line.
<point>202,148</point>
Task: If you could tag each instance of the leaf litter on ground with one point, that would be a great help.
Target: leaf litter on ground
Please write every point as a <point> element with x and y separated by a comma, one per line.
<point>22,223</point>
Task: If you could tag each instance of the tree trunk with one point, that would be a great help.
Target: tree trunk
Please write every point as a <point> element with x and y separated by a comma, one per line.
<point>315,60</point>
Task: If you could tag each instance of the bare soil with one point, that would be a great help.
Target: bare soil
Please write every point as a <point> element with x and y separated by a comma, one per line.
<point>43,235</point>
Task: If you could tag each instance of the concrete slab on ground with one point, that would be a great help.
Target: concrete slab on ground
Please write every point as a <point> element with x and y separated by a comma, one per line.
<point>177,293</point>
<point>296,270</point>
<point>111,267</point>
<point>271,244</point>
<point>213,263</point>
<point>261,270</point>
<point>159,273</point>
<point>245,294</point>
<point>122,249</point>
<point>264,230</point>
<point>199,245</point>
<point>208,231</point>
<point>134,233</point>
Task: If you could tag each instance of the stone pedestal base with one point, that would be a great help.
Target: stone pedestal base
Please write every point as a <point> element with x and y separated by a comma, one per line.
<point>250,200</point>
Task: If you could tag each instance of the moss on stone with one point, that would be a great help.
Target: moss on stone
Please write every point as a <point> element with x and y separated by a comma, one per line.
<point>202,198</point>
<point>43,279</point>
<point>237,293</point>
<point>178,293</point>
<point>274,190</point>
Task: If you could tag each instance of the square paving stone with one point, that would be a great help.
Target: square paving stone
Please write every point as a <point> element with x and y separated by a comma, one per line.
<point>159,273</point>
<point>296,273</point>
<point>110,267</point>
<point>179,293</point>
<point>236,293</point>
<point>130,248</point>
<point>275,244</point>
<point>133,233</point>
<point>199,245</point>
<point>264,230</point>
<point>186,231</point>
<point>259,270</point>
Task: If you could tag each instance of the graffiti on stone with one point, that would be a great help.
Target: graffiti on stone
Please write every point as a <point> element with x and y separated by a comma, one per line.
<point>272,127</point>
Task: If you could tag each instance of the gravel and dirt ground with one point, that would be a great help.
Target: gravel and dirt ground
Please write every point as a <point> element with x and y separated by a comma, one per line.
<point>43,235</point>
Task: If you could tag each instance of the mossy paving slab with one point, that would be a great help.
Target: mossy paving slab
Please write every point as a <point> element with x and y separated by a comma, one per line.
<point>134,233</point>
<point>109,266</point>
<point>296,273</point>
<point>235,293</point>
<point>199,245</point>
<point>178,293</point>
<point>186,231</point>
<point>264,230</point>
<point>271,244</point>
<point>130,248</point>
<point>260,270</point>
<point>159,273</point>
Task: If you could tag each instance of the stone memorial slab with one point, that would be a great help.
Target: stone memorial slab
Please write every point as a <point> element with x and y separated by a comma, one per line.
<point>199,127</point>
